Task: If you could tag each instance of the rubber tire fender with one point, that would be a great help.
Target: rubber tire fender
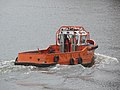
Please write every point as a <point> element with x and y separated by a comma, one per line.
<point>79,60</point>
<point>71,61</point>
<point>56,59</point>
<point>15,60</point>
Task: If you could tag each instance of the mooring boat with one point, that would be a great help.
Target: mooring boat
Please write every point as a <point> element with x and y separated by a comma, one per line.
<point>73,46</point>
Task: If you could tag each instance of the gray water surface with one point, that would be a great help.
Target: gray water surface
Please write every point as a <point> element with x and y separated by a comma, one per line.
<point>31,24</point>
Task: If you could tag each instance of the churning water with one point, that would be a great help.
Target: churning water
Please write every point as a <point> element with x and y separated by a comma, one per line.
<point>30,24</point>
<point>104,74</point>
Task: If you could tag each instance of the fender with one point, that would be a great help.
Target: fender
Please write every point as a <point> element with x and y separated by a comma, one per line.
<point>94,47</point>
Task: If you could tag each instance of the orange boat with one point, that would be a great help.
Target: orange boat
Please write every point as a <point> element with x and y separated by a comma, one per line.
<point>73,46</point>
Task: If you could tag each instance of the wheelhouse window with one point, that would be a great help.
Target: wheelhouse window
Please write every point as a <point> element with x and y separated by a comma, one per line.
<point>83,39</point>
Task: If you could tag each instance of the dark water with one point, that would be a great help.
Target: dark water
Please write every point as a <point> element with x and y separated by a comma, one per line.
<point>29,24</point>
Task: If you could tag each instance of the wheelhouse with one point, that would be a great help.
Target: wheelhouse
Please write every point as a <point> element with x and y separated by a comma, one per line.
<point>71,37</point>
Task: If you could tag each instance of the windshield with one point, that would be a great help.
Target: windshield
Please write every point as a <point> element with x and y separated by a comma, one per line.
<point>83,40</point>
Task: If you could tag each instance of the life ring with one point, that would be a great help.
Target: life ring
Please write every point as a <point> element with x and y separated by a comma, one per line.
<point>71,61</point>
<point>79,60</point>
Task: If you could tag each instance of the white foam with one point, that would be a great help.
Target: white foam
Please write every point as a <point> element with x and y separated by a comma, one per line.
<point>100,61</point>
<point>105,59</point>
<point>8,66</point>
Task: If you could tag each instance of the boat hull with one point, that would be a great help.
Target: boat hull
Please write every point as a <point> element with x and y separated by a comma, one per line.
<point>34,64</point>
<point>42,59</point>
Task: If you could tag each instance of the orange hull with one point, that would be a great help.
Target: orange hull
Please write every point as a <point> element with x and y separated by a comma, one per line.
<point>84,54</point>
<point>44,58</point>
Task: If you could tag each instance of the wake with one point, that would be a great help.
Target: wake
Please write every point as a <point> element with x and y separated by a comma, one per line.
<point>100,61</point>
